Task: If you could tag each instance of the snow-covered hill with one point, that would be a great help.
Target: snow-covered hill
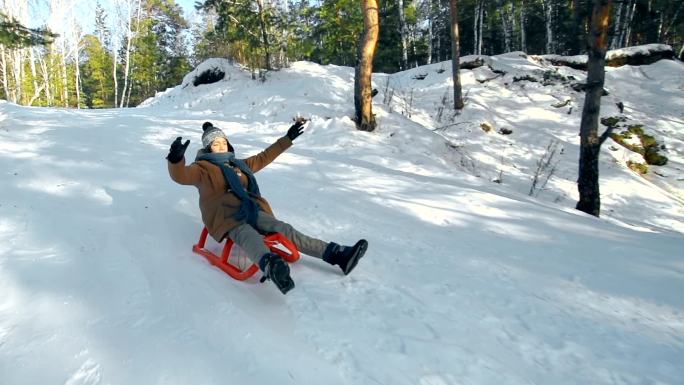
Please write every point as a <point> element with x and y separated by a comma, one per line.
<point>524,95</point>
<point>466,281</point>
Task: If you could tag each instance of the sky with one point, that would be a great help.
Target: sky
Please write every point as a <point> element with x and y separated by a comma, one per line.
<point>86,11</point>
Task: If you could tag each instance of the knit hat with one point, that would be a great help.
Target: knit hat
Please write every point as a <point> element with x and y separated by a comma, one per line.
<point>210,134</point>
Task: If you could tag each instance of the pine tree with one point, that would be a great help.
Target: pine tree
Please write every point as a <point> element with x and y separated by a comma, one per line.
<point>246,26</point>
<point>365,120</point>
<point>95,70</point>
<point>14,35</point>
<point>101,30</point>
<point>389,54</point>
<point>339,31</point>
<point>455,54</point>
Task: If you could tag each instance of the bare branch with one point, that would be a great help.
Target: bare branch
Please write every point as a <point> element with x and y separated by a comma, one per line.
<point>606,134</point>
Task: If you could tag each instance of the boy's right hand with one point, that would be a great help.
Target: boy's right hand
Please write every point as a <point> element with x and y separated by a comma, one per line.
<point>177,150</point>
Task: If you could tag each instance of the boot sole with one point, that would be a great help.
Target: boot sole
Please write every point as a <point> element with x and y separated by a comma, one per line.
<point>358,252</point>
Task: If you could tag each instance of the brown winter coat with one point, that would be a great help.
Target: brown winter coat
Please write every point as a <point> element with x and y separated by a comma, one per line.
<point>217,205</point>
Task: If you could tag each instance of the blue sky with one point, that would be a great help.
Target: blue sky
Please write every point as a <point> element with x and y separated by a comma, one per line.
<point>188,5</point>
<point>86,11</point>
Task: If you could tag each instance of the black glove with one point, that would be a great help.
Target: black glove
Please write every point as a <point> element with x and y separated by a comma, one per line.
<point>296,129</point>
<point>177,150</point>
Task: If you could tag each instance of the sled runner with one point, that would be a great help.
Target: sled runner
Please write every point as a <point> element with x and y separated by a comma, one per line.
<point>227,262</point>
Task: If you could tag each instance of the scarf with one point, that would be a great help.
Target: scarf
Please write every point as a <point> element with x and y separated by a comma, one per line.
<point>225,161</point>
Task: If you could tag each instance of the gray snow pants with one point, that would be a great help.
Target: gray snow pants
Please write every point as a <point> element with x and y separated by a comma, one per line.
<point>252,242</point>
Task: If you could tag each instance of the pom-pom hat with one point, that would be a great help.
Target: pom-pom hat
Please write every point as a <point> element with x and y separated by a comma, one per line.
<point>211,133</point>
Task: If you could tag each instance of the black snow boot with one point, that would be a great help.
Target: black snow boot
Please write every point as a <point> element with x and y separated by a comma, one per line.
<point>346,257</point>
<point>276,270</point>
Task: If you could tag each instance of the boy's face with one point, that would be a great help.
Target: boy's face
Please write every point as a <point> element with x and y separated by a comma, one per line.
<point>219,145</point>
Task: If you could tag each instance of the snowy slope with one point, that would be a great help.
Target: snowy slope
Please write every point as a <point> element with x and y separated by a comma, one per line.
<point>466,281</point>
<point>652,96</point>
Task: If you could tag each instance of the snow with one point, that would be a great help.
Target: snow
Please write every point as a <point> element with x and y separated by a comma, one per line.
<point>645,50</point>
<point>466,281</point>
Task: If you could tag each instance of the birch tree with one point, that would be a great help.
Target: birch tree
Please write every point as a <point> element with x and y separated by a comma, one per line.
<point>548,20</point>
<point>58,16</point>
<point>477,27</point>
<point>523,35</point>
<point>45,75</point>
<point>3,68</point>
<point>20,53</point>
<point>628,25</point>
<point>624,15</point>
<point>128,25</point>
<point>115,58</point>
<point>404,33</point>
<point>505,24</point>
<point>616,25</point>
<point>34,76</point>
<point>65,81</point>
<point>77,35</point>
<point>430,34</point>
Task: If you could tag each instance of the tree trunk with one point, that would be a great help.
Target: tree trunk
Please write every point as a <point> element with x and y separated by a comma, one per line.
<point>590,142</point>
<point>477,27</point>
<point>624,23</point>
<point>34,74</point>
<point>476,24</point>
<point>617,27</point>
<point>127,62</point>
<point>365,120</point>
<point>412,42</point>
<point>455,54</point>
<point>505,26</point>
<point>53,71</point>
<point>116,83</point>
<point>37,90</point>
<point>77,67</point>
<point>480,28</point>
<point>629,24</point>
<point>17,71</point>
<point>127,93</point>
<point>661,22</point>
<point>402,22</point>
<point>65,83</point>
<point>77,82</point>
<point>20,13</point>
<point>665,33</point>
<point>46,80</point>
<point>3,68</point>
<point>430,37</point>
<point>577,28</point>
<point>523,35</point>
<point>264,33</point>
<point>548,16</point>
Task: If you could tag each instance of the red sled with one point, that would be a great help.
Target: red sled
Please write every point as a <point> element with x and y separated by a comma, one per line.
<point>276,242</point>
